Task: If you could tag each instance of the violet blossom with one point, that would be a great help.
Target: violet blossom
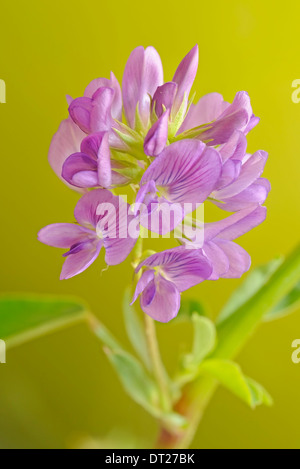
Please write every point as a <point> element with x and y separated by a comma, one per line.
<point>166,274</point>
<point>97,227</point>
<point>175,155</point>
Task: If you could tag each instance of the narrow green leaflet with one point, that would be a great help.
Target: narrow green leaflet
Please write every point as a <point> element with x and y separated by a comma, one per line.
<point>230,375</point>
<point>203,344</point>
<point>237,328</point>
<point>204,337</point>
<point>26,317</point>
<point>254,281</point>
<point>259,394</point>
<point>135,381</point>
<point>135,329</point>
<point>106,337</point>
<point>289,304</point>
<point>134,378</point>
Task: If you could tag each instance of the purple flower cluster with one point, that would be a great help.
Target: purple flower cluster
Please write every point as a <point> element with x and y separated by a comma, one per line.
<point>149,135</point>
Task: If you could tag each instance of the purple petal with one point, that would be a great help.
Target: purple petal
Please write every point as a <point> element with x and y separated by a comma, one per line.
<point>80,261</point>
<point>164,97</point>
<point>161,301</point>
<point>157,137</point>
<point>86,209</point>
<point>91,167</point>
<point>80,170</point>
<point>235,117</point>
<point>241,102</point>
<point>116,107</point>
<point>235,225</point>
<point>80,110</point>
<point>159,216</point>
<point>208,109</point>
<point>220,128</point>
<point>235,148</point>
<point>230,172</point>
<point>69,99</point>
<point>148,293</point>
<point>90,145</point>
<point>104,164</point>
<point>65,142</point>
<point>118,249</point>
<point>251,124</point>
<point>114,226</point>
<point>256,193</point>
<point>63,235</point>
<point>100,116</point>
<point>143,74</point>
<point>146,278</point>
<point>250,172</point>
<point>184,77</point>
<point>218,259</point>
<point>93,114</point>
<point>239,259</point>
<point>185,268</point>
<point>187,171</point>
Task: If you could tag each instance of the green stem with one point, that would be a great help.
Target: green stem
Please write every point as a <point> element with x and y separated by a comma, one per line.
<point>232,333</point>
<point>158,369</point>
<point>237,328</point>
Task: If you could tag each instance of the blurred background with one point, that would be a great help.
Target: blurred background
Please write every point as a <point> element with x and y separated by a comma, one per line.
<point>59,391</point>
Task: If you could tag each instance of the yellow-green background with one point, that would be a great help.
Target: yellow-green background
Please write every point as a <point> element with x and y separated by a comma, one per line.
<point>61,388</point>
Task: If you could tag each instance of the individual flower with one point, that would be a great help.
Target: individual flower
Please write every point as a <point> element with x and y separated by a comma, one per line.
<point>102,222</point>
<point>228,259</point>
<point>240,184</point>
<point>181,177</point>
<point>213,120</point>
<point>165,275</point>
<point>93,165</point>
<point>65,142</point>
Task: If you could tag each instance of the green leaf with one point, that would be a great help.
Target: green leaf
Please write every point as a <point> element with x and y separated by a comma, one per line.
<point>289,304</point>
<point>204,343</point>
<point>135,330</point>
<point>230,375</point>
<point>132,173</point>
<point>204,337</point>
<point>259,394</point>
<point>104,334</point>
<point>141,388</point>
<point>139,125</point>
<point>26,317</point>
<point>135,381</point>
<point>131,373</point>
<point>234,331</point>
<point>254,281</point>
<point>177,120</point>
<point>188,308</point>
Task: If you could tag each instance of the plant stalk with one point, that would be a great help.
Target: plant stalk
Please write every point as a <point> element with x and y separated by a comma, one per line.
<point>232,333</point>
<point>158,369</point>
